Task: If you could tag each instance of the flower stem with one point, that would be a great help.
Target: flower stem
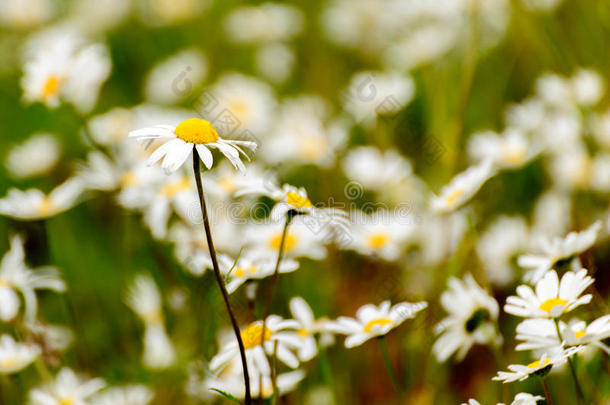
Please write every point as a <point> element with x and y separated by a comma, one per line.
<point>579,391</point>
<point>546,391</point>
<point>388,365</point>
<point>219,279</point>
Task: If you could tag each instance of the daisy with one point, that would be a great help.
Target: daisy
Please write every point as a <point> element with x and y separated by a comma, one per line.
<point>16,278</point>
<point>144,298</point>
<point>374,321</point>
<point>234,384</point>
<point>520,399</point>
<point>308,328</point>
<point>473,314</point>
<point>462,187</point>
<point>38,155</point>
<point>552,298</point>
<point>127,395</point>
<point>111,127</point>
<point>15,356</point>
<point>539,367</point>
<point>539,334</point>
<point>181,140</point>
<point>67,388</point>
<point>510,150</point>
<point>33,204</point>
<point>277,340</point>
<point>374,169</point>
<point>557,251</point>
<point>268,22</point>
<point>577,332</point>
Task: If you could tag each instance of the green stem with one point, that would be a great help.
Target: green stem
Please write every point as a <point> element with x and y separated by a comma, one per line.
<point>545,387</point>
<point>388,365</point>
<point>219,278</point>
<point>579,392</point>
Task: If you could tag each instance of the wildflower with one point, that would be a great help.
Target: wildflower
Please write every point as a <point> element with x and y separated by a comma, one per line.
<point>127,395</point>
<point>539,367</point>
<point>268,22</point>
<point>308,328</point>
<point>509,150</point>
<point>374,321</point>
<point>374,169</point>
<point>179,142</point>
<point>37,155</point>
<point>552,297</point>
<point>15,356</point>
<point>66,388</point>
<point>254,266</point>
<point>520,399</point>
<point>472,317</point>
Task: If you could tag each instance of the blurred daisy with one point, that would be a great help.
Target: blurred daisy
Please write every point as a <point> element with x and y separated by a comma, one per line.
<point>16,278</point>
<point>275,62</point>
<point>473,314</point>
<point>277,339</point>
<point>260,385</point>
<point>99,172</point>
<point>225,183</point>
<point>26,13</point>
<point>577,332</point>
<point>268,22</point>
<point>144,298</point>
<point>509,150</point>
<point>112,126</point>
<point>67,388</point>
<point>180,141</point>
<point>374,169</point>
<point>254,266</point>
<point>587,87</point>
<point>557,251</point>
<point>462,187</point>
<point>308,328</point>
<point>520,399</point>
<point>374,321</point>
<point>552,297</point>
<point>33,204</point>
<point>539,367</point>
<point>37,155</point>
<point>127,395</point>
<point>15,356</point>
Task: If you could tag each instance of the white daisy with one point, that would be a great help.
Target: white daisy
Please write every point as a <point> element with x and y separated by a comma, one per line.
<point>127,395</point>
<point>66,388</point>
<point>180,141</point>
<point>577,332</point>
<point>234,384</point>
<point>520,399</point>
<point>374,169</point>
<point>374,321</point>
<point>539,367</point>
<point>253,266</point>
<point>511,150</point>
<point>268,22</point>
<point>16,278</point>
<point>15,356</point>
<point>473,314</point>
<point>37,155</point>
<point>462,187</point>
<point>308,328</point>
<point>557,250</point>
<point>552,297</point>
<point>33,204</point>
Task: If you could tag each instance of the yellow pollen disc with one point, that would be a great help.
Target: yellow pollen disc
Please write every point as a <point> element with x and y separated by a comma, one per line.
<point>289,243</point>
<point>297,200</point>
<point>45,206</point>
<point>378,241</point>
<point>377,322</point>
<point>536,364</point>
<point>579,333</point>
<point>239,108</point>
<point>171,190</point>
<point>227,184</point>
<point>51,86</point>
<point>8,363</point>
<point>303,332</point>
<point>66,401</point>
<point>514,156</point>
<point>4,284</point>
<point>451,198</point>
<point>253,335</point>
<point>197,131</point>
<point>312,147</point>
<point>241,272</point>
<point>551,303</point>
<point>153,317</point>
<point>128,179</point>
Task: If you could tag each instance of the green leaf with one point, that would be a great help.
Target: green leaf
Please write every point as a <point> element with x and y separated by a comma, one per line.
<point>226,395</point>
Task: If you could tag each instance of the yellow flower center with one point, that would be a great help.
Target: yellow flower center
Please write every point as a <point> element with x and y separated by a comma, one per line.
<point>128,179</point>
<point>67,401</point>
<point>378,240</point>
<point>173,189</point>
<point>579,333</point>
<point>227,184</point>
<point>514,155</point>
<point>297,200</point>
<point>253,335</point>
<point>153,317</point>
<point>312,147</point>
<point>241,272</point>
<point>45,206</point>
<point>303,332</point>
<point>4,284</point>
<point>240,108</point>
<point>377,322</point>
<point>289,243</point>
<point>8,363</point>
<point>536,364</point>
<point>51,86</point>
<point>197,131</point>
<point>451,198</point>
<point>551,303</point>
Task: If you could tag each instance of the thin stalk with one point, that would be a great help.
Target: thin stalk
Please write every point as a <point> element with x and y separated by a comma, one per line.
<point>579,392</point>
<point>546,391</point>
<point>219,279</point>
<point>388,365</point>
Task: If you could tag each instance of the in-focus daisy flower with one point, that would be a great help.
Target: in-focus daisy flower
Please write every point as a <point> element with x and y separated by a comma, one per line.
<point>127,395</point>
<point>268,22</point>
<point>374,321</point>
<point>16,278</point>
<point>381,234</point>
<point>254,266</point>
<point>510,150</point>
<point>577,333</point>
<point>558,251</point>
<point>277,334</point>
<point>37,155</point>
<point>473,314</point>
<point>144,298</point>
<point>66,388</point>
<point>15,356</point>
<point>462,187</point>
<point>552,298</point>
<point>520,399</point>
<point>33,204</point>
<point>179,142</point>
<point>540,367</point>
